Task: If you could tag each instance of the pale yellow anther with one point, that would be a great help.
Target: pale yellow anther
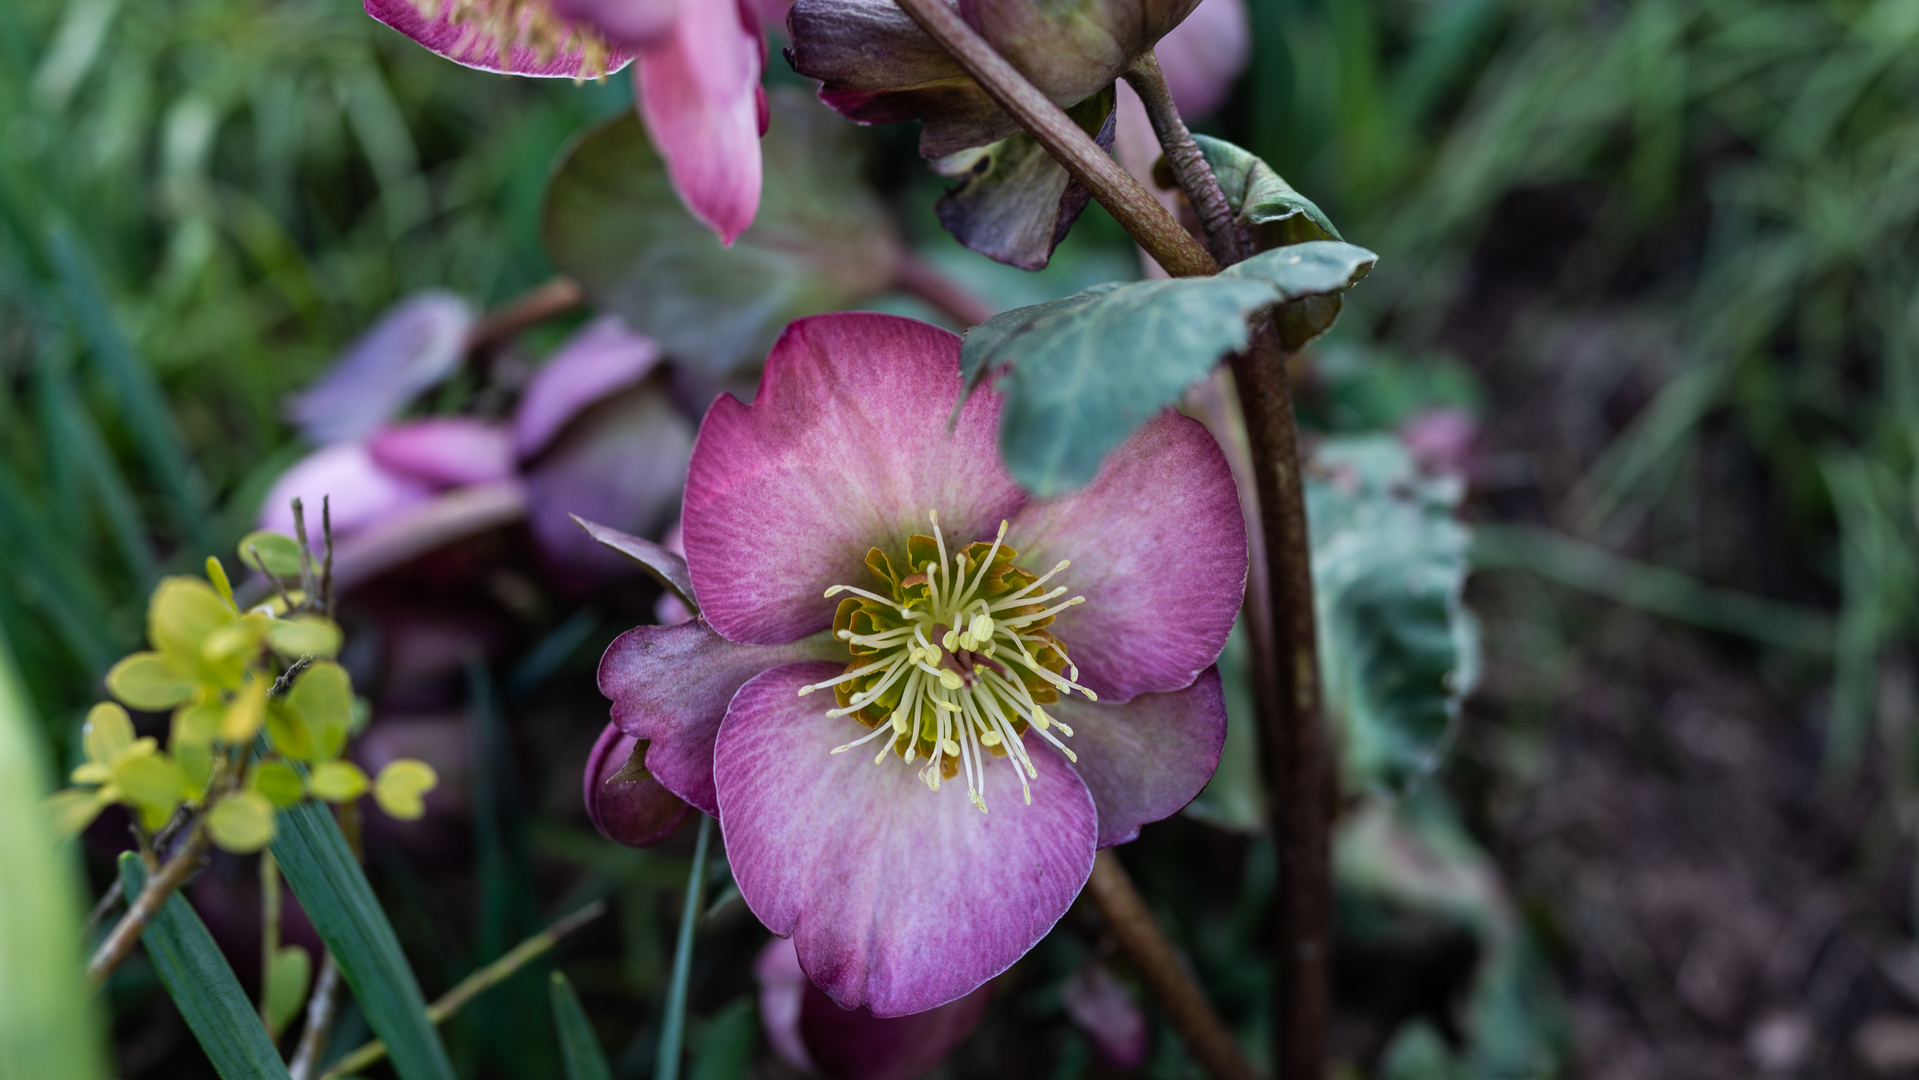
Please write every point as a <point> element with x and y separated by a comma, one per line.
<point>1040,719</point>
<point>950,679</point>
<point>946,705</point>
<point>805,690</point>
<point>991,738</point>
<point>899,722</point>
<point>951,747</point>
<point>977,801</point>
<point>948,640</point>
<point>835,591</point>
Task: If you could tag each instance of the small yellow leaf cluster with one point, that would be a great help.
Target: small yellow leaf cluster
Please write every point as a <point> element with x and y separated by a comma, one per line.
<point>216,667</point>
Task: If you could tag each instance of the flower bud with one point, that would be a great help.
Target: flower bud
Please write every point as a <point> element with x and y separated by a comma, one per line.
<point>812,1034</point>
<point>626,804</point>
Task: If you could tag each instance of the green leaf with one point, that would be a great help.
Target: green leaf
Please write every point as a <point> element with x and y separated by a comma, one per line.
<point>107,733</point>
<point>400,785</point>
<point>48,1027</point>
<point>323,698</point>
<point>337,781</point>
<point>279,784</point>
<point>728,1041</point>
<point>145,681</point>
<point>278,554</point>
<point>1081,373</point>
<point>673,1024</point>
<point>579,1049</point>
<point>821,241</point>
<point>1397,649</point>
<point>241,822</point>
<point>151,782</point>
<point>287,980</point>
<point>304,635</point>
<point>1015,202</point>
<point>333,889</point>
<point>1263,202</point>
<point>203,987</point>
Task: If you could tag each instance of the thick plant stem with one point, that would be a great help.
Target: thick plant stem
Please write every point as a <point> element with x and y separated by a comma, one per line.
<point>1292,745</point>
<point>159,887</point>
<point>1189,166</point>
<point>321,1007</point>
<point>1179,997</point>
<point>1129,203</point>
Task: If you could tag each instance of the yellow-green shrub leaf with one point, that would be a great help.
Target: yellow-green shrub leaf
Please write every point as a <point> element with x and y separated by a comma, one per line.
<point>237,640</point>
<point>107,734</point>
<point>150,781</point>
<point>146,681</point>
<point>287,979</point>
<point>242,718</point>
<point>400,785</point>
<point>280,554</point>
<point>182,613</point>
<point>242,822</point>
<point>279,784</point>
<point>337,781</point>
<point>73,810</point>
<point>196,724</point>
<point>287,730</point>
<point>304,635</point>
<point>196,767</point>
<point>323,696</point>
<point>217,574</point>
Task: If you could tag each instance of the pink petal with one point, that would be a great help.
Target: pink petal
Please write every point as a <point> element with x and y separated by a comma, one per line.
<point>465,44</point>
<point>1146,759</point>
<point>844,448</point>
<point>897,898</point>
<point>699,94</point>
<point>361,492</point>
<point>448,451</point>
<point>633,24</point>
<point>671,685</point>
<point>417,343</point>
<point>805,1026</point>
<point>621,466</point>
<point>1205,54</point>
<point>637,813</point>
<point>1158,546</point>
<point>1101,1006</point>
<point>604,357</point>
<point>1441,441</point>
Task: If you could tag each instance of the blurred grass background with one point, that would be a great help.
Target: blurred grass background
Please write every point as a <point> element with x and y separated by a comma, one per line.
<point>1667,247</point>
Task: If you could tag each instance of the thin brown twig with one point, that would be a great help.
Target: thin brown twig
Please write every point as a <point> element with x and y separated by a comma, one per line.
<point>548,300</point>
<point>321,1006</point>
<point>942,293</point>
<point>307,583</point>
<point>1189,166</point>
<point>1129,202</point>
<point>476,984</point>
<point>326,569</point>
<point>107,900</point>
<point>1166,978</point>
<point>161,885</point>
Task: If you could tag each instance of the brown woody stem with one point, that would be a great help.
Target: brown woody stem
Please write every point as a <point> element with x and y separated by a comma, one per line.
<point>1131,204</point>
<point>545,301</point>
<point>1166,978</point>
<point>1189,166</point>
<point>321,1006</point>
<point>160,885</point>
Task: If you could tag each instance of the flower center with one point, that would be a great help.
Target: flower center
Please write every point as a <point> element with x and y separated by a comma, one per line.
<point>532,24</point>
<point>953,661</point>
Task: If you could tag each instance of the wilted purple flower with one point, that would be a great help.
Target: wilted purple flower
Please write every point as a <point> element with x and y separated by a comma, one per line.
<point>696,80</point>
<point>839,536</point>
<point>814,1035</point>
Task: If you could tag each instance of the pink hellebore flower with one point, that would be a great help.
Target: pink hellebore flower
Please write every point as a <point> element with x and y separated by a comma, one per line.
<point>696,75</point>
<point>814,1035</point>
<point>870,579</point>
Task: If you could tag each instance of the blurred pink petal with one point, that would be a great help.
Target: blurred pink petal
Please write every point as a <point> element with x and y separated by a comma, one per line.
<point>629,24</point>
<point>466,42</point>
<point>448,451</point>
<point>361,492</point>
<point>622,465</point>
<point>604,357</point>
<point>1204,56</point>
<point>1441,441</point>
<point>415,344</point>
<point>699,94</point>
<point>1103,1008</point>
<point>811,1033</point>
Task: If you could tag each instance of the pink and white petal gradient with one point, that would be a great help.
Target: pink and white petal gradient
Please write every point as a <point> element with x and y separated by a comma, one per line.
<point>445,451</point>
<point>814,1035</point>
<point>671,684</point>
<point>897,898</point>
<point>1145,760</point>
<point>464,44</point>
<point>1158,546</point>
<point>845,448</point>
<point>1205,54</point>
<point>361,493</point>
<point>604,357</point>
<point>699,95</point>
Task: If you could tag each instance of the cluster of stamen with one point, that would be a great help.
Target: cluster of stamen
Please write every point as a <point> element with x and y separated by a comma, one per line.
<point>505,25</point>
<point>954,663</point>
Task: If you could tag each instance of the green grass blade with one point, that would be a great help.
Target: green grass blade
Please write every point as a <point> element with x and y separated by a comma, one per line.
<point>673,1025</point>
<point>335,893</point>
<point>203,987</point>
<point>578,1048</point>
<point>146,409</point>
<point>47,1023</point>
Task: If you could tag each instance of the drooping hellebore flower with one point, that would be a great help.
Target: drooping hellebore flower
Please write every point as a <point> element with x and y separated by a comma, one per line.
<point>696,75</point>
<point>917,699</point>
